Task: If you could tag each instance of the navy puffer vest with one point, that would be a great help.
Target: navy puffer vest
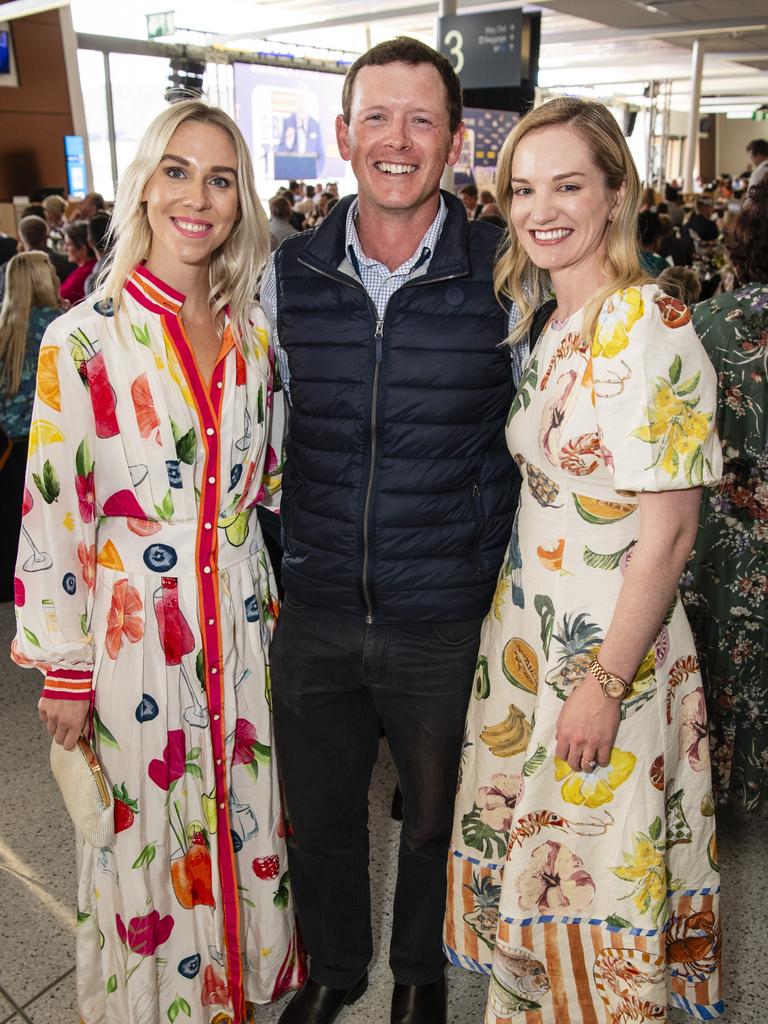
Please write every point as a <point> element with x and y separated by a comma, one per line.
<point>399,492</point>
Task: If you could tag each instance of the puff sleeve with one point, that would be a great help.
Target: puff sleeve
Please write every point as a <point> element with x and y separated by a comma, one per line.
<point>56,564</point>
<point>655,394</point>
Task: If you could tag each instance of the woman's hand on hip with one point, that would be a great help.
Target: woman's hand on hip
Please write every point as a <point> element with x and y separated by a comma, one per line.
<point>587,726</point>
<point>64,719</point>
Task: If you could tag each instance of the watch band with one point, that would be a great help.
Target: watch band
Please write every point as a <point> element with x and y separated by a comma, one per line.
<point>612,686</point>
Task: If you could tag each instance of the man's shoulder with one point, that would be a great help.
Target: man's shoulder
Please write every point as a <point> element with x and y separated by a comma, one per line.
<point>485,239</point>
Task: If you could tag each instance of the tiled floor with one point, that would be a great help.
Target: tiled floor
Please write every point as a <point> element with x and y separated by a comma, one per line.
<point>37,888</point>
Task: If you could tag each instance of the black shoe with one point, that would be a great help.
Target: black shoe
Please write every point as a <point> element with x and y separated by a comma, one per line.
<point>420,1004</point>
<point>319,1004</point>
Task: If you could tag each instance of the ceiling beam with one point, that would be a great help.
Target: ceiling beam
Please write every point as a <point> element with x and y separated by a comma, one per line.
<point>363,17</point>
<point>23,8</point>
<point>665,31</point>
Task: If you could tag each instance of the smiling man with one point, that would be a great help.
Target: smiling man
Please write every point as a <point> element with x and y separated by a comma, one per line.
<point>398,502</point>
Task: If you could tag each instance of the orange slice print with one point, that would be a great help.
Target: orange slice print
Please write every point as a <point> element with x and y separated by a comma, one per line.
<point>48,377</point>
<point>109,557</point>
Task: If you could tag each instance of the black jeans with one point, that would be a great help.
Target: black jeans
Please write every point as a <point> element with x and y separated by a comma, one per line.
<point>336,682</point>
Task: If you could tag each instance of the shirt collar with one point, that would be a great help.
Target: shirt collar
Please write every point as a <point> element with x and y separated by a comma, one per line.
<point>152,292</point>
<point>423,252</point>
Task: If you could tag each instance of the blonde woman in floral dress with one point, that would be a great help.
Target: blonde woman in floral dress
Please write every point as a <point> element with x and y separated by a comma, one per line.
<point>583,872</point>
<point>143,590</point>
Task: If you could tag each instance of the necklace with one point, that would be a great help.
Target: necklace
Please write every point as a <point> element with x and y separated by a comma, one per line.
<point>558,323</point>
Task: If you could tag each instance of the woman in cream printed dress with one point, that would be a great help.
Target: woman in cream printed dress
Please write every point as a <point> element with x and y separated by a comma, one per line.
<point>143,589</point>
<point>583,871</point>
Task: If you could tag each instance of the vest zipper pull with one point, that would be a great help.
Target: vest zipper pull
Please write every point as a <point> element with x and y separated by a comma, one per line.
<point>379,336</point>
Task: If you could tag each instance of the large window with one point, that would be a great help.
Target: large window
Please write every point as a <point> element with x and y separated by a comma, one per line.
<point>91,67</point>
<point>138,91</point>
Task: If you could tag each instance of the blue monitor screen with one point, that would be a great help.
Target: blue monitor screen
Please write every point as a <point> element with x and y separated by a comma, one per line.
<point>5,54</point>
<point>74,152</point>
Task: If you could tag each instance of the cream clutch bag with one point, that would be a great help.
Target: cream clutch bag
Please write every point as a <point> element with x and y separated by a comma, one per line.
<point>85,791</point>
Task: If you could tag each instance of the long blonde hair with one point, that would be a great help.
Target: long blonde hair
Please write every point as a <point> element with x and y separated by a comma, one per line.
<point>236,265</point>
<point>30,280</point>
<point>516,276</point>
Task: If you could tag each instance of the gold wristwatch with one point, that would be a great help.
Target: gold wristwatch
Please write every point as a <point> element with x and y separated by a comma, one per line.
<point>612,686</point>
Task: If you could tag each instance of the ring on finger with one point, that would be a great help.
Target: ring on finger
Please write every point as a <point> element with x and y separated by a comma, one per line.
<point>588,765</point>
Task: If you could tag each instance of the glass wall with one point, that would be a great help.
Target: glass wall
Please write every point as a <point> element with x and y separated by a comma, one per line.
<point>91,67</point>
<point>138,91</point>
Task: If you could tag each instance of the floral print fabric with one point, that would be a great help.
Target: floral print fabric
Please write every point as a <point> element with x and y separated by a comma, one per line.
<point>591,897</point>
<point>142,574</point>
<point>726,586</point>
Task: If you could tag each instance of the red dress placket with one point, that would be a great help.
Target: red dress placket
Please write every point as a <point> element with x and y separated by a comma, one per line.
<point>208,405</point>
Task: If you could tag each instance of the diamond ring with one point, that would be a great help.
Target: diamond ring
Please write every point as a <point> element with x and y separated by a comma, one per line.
<point>589,764</point>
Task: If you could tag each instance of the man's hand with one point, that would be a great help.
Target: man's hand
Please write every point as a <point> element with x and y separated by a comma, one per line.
<point>64,719</point>
<point>587,726</point>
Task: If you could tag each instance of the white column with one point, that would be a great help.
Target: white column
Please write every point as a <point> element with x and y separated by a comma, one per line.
<point>76,105</point>
<point>692,141</point>
<point>445,9</point>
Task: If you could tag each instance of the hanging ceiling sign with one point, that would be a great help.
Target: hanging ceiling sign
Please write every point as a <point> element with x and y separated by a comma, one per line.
<point>484,49</point>
<point>160,24</point>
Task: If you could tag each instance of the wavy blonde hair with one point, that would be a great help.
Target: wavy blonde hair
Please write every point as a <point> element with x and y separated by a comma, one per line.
<point>30,280</point>
<point>236,265</point>
<point>515,275</point>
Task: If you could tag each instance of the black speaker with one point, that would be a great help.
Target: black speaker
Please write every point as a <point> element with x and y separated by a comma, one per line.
<point>185,80</point>
<point>628,126</point>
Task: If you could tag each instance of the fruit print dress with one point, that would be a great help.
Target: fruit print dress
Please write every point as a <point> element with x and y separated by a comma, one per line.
<point>607,908</point>
<point>142,577</point>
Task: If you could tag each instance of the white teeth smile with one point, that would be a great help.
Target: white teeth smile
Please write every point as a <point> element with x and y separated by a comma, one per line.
<point>548,236</point>
<point>396,168</point>
<point>186,226</point>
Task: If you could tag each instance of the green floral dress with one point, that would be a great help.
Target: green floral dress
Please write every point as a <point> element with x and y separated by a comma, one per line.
<point>726,587</point>
<point>607,907</point>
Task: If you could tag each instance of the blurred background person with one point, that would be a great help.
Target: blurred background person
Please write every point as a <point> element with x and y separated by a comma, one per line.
<point>30,303</point>
<point>726,585</point>
<point>648,200</point>
<point>98,240</point>
<point>672,245</point>
<point>492,213</point>
<point>757,151</point>
<point>700,226</point>
<point>650,233</point>
<point>55,207</point>
<point>680,282</point>
<point>82,255</point>
<point>33,237</point>
<point>92,204</point>
<point>469,196</point>
<point>280,225</point>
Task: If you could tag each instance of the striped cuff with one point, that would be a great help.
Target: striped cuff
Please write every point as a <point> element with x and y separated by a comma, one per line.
<point>67,684</point>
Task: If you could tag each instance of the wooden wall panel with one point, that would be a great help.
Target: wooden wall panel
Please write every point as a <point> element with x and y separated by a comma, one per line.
<point>35,116</point>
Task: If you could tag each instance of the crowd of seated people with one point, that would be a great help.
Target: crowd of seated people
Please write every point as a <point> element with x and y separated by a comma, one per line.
<point>50,264</point>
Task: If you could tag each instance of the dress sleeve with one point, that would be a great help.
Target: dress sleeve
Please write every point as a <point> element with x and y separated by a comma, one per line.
<point>655,394</point>
<point>276,421</point>
<point>56,564</point>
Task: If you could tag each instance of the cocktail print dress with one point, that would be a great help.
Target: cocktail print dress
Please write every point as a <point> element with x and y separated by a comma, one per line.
<point>591,898</point>
<point>143,584</point>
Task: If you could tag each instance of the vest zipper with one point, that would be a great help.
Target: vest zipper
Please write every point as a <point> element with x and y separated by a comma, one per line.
<point>379,337</point>
<point>373,421</point>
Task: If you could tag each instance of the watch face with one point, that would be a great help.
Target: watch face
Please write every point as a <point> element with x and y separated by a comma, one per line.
<point>614,687</point>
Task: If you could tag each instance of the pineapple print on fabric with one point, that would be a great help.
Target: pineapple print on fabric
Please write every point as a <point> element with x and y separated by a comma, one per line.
<point>562,884</point>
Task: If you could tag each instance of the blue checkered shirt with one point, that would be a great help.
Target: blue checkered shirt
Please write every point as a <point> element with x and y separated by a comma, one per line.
<point>380,283</point>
